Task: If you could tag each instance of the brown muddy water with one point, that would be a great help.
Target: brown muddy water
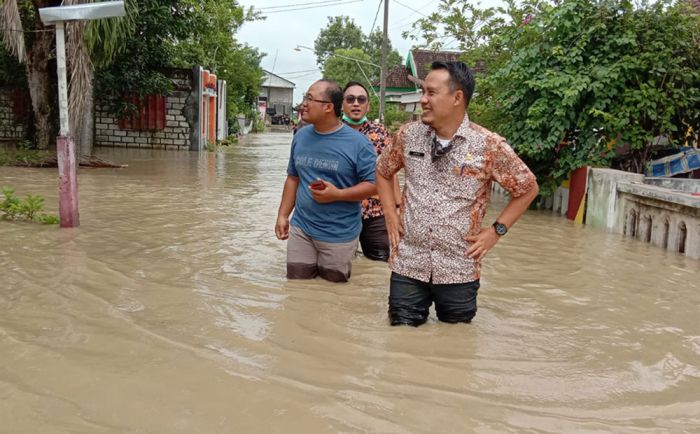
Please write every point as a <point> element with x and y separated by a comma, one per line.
<point>167,311</point>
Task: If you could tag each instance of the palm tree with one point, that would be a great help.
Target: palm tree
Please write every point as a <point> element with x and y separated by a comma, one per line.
<point>34,53</point>
<point>88,44</point>
<point>91,44</point>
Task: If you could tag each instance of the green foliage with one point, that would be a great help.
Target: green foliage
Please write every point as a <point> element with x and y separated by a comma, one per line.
<point>394,117</point>
<point>373,47</point>
<point>345,38</point>
<point>157,27</point>
<point>594,75</point>
<point>350,65</point>
<point>258,123</point>
<point>212,44</point>
<point>183,33</point>
<point>13,208</point>
<point>341,32</point>
<point>221,145</point>
<point>11,72</point>
<point>570,83</point>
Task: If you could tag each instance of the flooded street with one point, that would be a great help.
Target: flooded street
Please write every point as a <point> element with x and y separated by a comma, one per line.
<point>168,311</point>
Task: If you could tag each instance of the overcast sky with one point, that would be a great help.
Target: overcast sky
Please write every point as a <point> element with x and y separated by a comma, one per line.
<point>284,29</point>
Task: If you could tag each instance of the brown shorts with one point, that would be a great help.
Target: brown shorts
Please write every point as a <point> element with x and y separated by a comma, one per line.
<point>308,258</point>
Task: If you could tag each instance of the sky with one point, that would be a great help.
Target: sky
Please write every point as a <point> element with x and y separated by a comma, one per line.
<point>284,29</point>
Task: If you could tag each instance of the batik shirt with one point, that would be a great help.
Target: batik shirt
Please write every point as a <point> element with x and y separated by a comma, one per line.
<point>446,199</point>
<point>381,139</point>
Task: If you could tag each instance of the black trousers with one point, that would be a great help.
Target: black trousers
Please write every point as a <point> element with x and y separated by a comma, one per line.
<point>374,239</point>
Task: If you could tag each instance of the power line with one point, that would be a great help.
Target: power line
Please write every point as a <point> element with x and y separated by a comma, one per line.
<point>311,7</point>
<point>410,8</point>
<point>407,18</point>
<point>375,17</point>
<point>297,5</point>
<point>298,72</point>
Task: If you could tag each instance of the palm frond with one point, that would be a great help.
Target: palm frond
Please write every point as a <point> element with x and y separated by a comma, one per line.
<point>82,72</point>
<point>80,69</point>
<point>11,30</point>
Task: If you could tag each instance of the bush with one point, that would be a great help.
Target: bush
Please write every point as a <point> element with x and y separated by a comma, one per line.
<point>13,208</point>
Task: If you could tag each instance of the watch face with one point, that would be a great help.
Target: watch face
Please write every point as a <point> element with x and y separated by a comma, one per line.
<point>501,229</point>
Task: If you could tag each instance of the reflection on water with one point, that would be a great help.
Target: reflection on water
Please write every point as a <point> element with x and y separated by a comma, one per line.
<point>168,311</point>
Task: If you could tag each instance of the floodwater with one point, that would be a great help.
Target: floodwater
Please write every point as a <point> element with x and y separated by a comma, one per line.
<point>167,311</point>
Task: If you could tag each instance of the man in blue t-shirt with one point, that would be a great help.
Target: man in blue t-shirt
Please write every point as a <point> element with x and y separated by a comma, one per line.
<point>331,169</point>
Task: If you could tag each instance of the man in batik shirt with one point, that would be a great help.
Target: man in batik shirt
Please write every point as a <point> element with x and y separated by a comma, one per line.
<point>373,238</point>
<point>438,241</point>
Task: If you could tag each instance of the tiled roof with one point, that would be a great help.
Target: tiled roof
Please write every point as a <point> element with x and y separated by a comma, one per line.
<point>398,77</point>
<point>423,58</point>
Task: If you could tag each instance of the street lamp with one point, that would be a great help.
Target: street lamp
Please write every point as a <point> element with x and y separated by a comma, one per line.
<point>358,61</point>
<point>65,147</point>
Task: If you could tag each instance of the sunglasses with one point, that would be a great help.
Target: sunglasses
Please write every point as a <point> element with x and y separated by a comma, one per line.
<point>350,99</point>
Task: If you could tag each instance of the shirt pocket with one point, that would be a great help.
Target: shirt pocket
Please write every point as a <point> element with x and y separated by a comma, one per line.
<point>467,175</point>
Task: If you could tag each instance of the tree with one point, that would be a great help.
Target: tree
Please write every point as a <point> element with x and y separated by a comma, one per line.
<point>573,82</point>
<point>91,44</point>
<point>212,44</point>
<point>373,47</point>
<point>341,32</point>
<point>30,42</point>
<point>184,33</point>
<point>598,75</point>
<point>34,50</point>
<point>342,68</point>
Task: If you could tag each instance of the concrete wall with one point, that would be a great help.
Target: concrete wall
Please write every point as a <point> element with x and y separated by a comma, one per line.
<point>180,107</point>
<point>9,130</point>
<point>603,202</point>
<point>667,224</point>
<point>680,184</point>
<point>628,204</point>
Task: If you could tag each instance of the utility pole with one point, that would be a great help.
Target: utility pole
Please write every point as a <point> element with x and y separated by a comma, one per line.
<point>383,73</point>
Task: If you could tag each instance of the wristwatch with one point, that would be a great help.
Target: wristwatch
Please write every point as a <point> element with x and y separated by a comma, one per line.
<point>500,228</point>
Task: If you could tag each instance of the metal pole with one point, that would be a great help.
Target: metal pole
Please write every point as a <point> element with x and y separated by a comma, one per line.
<point>382,77</point>
<point>62,79</point>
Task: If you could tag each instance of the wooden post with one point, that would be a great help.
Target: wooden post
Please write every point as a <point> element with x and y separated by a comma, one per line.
<point>65,146</point>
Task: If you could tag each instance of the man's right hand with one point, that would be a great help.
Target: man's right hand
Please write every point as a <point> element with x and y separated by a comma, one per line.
<point>282,228</point>
<point>394,228</point>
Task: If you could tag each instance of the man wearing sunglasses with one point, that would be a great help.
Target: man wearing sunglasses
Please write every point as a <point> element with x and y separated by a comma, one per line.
<point>449,162</point>
<point>373,238</point>
<point>331,169</point>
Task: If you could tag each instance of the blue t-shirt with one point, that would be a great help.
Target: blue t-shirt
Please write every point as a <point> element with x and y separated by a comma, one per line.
<point>344,158</point>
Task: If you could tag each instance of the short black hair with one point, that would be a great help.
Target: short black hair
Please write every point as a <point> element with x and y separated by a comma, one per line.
<point>355,83</point>
<point>334,94</point>
<point>461,78</point>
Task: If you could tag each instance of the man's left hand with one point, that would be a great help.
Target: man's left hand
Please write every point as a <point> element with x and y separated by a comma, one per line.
<point>481,243</point>
<point>329,194</point>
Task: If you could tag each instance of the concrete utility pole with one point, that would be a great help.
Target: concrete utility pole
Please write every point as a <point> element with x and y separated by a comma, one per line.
<point>68,210</point>
<point>383,74</point>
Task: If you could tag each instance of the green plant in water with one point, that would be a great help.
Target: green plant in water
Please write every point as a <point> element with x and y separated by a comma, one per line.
<point>10,206</point>
<point>13,208</point>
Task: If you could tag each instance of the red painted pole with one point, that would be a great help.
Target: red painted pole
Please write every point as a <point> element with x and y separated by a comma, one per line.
<point>67,183</point>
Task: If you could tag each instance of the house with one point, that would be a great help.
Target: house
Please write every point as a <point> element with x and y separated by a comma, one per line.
<point>276,95</point>
<point>403,82</point>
